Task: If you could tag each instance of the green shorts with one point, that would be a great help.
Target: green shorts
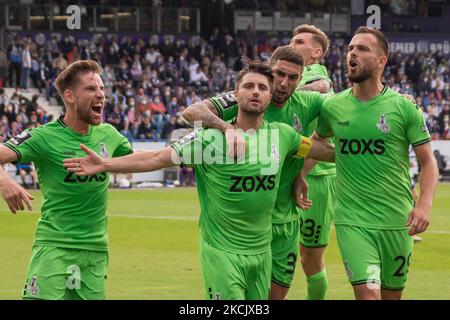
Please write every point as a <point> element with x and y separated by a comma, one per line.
<point>230,276</point>
<point>66,274</point>
<point>284,247</point>
<point>375,256</point>
<point>315,222</point>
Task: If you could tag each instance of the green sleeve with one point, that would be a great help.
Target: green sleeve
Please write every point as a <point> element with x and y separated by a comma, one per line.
<point>313,73</point>
<point>417,131</point>
<point>28,145</point>
<point>226,105</point>
<point>323,124</point>
<point>314,103</point>
<point>124,146</point>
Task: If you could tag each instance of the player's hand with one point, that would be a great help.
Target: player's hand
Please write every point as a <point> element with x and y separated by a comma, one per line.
<point>15,196</point>
<point>418,221</point>
<point>409,97</point>
<point>301,193</point>
<point>235,144</point>
<point>86,166</point>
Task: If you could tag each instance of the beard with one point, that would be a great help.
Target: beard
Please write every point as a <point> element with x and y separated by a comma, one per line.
<point>280,99</point>
<point>254,111</point>
<point>362,76</point>
<point>88,117</point>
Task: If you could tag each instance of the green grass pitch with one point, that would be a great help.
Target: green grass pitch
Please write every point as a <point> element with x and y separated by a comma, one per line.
<point>154,249</point>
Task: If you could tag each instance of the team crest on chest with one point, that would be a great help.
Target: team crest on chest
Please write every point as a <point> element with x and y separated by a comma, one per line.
<point>103,152</point>
<point>382,124</point>
<point>297,124</point>
<point>274,154</point>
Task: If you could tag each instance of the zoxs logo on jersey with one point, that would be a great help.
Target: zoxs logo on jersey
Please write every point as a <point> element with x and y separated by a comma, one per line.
<point>71,177</point>
<point>252,183</point>
<point>362,146</point>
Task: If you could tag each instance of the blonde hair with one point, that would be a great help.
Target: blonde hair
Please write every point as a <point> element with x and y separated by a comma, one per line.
<point>318,35</point>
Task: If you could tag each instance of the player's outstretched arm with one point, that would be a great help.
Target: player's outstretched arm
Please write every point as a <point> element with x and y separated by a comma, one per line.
<point>15,196</point>
<point>419,217</point>
<point>321,85</point>
<point>143,161</point>
<point>321,150</point>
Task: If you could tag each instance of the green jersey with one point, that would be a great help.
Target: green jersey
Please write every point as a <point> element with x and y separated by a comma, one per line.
<point>372,156</point>
<point>298,112</point>
<point>73,207</point>
<point>236,199</point>
<point>312,73</point>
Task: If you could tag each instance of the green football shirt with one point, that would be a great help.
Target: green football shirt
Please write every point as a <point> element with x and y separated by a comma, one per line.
<point>298,112</point>
<point>314,72</point>
<point>73,208</point>
<point>310,74</point>
<point>372,156</point>
<point>236,199</point>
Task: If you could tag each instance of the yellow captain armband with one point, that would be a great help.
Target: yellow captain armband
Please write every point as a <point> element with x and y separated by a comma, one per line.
<point>304,148</point>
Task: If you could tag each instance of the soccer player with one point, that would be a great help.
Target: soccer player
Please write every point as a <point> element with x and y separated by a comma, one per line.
<point>297,109</point>
<point>236,198</point>
<point>374,214</point>
<point>70,253</point>
<point>315,223</point>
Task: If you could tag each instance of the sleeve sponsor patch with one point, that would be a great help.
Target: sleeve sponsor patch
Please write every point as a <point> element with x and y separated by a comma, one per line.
<point>20,138</point>
<point>188,138</point>
<point>226,99</point>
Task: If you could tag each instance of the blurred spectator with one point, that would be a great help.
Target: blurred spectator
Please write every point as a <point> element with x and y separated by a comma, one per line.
<point>145,130</point>
<point>14,53</point>
<point>26,67</point>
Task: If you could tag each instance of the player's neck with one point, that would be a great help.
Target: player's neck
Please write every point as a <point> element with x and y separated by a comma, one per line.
<point>247,121</point>
<point>73,122</point>
<point>367,89</point>
<point>311,62</point>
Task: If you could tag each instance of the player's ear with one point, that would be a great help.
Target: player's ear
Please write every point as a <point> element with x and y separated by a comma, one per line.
<point>235,95</point>
<point>68,96</point>
<point>382,61</point>
<point>317,53</point>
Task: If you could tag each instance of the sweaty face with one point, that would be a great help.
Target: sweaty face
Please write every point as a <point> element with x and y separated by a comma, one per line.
<point>89,98</point>
<point>253,94</point>
<point>286,78</point>
<point>363,57</point>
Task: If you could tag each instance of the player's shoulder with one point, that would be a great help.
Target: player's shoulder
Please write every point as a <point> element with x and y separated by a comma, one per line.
<point>398,100</point>
<point>47,129</point>
<point>305,95</point>
<point>337,98</point>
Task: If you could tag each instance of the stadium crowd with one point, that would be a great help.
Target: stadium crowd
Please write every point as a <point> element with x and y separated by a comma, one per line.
<point>149,82</point>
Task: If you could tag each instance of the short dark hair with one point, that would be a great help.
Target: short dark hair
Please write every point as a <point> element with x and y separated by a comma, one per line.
<point>286,53</point>
<point>69,76</point>
<point>249,66</point>
<point>381,38</point>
